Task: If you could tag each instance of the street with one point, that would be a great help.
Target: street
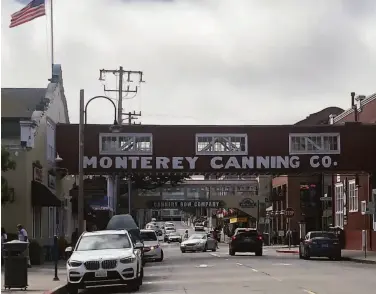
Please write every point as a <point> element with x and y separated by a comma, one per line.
<point>217,272</point>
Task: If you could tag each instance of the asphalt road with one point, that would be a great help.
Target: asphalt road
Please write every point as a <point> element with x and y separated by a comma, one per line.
<point>217,272</point>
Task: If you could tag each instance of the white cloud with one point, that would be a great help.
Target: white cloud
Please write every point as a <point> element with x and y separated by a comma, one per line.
<point>205,61</point>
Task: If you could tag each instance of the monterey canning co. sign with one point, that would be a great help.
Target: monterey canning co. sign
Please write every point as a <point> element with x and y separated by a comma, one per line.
<point>216,163</point>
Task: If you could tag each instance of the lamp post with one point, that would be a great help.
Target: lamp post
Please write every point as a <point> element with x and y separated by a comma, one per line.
<point>115,128</point>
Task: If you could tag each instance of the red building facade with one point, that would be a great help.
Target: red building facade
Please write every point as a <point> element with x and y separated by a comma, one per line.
<point>350,191</point>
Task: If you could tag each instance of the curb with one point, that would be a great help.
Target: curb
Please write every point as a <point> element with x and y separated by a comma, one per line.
<point>357,260</point>
<point>62,289</point>
<point>287,251</point>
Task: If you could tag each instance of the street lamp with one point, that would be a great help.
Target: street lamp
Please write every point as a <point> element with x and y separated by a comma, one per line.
<point>115,128</point>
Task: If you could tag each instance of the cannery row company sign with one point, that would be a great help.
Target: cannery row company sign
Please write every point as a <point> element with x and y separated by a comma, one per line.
<point>177,163</point>
<point>185,204</point>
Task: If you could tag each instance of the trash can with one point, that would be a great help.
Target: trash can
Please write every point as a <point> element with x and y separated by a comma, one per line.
<point>15,264</point>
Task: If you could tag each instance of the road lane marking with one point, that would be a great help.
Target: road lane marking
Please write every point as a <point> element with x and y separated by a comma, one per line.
<point>240,264</point>
<point>283,264</point>
<point>255,270</point>
<point>215,254</point>
<point>309,292</point>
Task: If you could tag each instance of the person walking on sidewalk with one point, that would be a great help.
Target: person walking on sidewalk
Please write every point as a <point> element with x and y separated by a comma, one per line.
<point>23,236</point>
<point>4,239</point>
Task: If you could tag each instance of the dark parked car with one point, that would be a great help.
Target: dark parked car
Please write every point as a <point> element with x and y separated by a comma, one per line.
<point>126,221</point>
<point>320,244</point>
<point>246,240</point>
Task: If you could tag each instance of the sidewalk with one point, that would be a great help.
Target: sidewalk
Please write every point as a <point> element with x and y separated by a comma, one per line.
<point>349,255</point>
<point>358,256</point>
<point>40,279</point>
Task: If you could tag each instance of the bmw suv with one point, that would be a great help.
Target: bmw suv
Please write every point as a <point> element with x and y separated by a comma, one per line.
<point>104,258</point>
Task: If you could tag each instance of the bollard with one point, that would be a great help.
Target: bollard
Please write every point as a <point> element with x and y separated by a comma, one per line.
<point>56,257</point>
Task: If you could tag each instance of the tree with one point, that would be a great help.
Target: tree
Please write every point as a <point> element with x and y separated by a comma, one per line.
<point>7,163</point>
<point>153,182</point>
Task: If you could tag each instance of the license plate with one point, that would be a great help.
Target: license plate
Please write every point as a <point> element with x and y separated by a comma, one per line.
<point>247,239</point>
<point>101,274</point>
<point>325,245</point>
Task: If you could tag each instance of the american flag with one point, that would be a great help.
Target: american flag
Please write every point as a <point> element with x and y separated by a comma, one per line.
<point>34,9</point>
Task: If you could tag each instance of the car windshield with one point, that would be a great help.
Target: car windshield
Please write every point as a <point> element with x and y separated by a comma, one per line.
<point>100,242</point>
<point>323,235</point>
<point>148,236</point>
<point>197,236</point>
<point>175,234</point>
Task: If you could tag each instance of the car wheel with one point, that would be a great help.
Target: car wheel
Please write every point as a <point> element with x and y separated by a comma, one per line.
<point>72,289</point>
<point>134,285</point>
<point>300,253</point>
<point>205,248</point>
<point>258,252</point>
<point>306,254</point>
<point>214,249</point>
<point>182,251</point>
<point>161,258</point>
<point>231,252</point>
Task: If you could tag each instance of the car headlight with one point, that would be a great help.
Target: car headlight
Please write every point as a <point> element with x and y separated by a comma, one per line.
<point>130,259</point>
<point>74,263</point>
<point>154,247</point>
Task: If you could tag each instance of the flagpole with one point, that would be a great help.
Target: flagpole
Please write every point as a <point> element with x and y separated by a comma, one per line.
<point>52,36</point>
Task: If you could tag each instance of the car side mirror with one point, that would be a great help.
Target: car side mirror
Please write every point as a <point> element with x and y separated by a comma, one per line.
<point>138,245</point>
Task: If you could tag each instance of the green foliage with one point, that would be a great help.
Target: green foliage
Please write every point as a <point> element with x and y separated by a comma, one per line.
<point>154,182</point>
<point>7,163</point>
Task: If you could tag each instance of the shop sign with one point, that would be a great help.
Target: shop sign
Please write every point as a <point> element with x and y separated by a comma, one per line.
<point>247,203</point>
<point>37,174</point>
<point>235,220</point>
<point>183,204</point>
<point>51,181</point>
<point>217,162</point>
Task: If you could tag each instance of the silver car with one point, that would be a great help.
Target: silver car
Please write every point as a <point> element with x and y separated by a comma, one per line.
<point>199,242</point>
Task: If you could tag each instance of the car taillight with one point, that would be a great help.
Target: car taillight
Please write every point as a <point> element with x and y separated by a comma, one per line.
<point>233,238</point>
<point>259,237</point>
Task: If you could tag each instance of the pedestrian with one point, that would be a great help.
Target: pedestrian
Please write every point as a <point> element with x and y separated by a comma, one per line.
<point>186,235</point>
<point>23,236</point>
<point>4,239</point>
<point>74,238</point>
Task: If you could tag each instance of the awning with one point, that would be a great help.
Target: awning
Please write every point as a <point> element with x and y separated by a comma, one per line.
<point>42,196</point>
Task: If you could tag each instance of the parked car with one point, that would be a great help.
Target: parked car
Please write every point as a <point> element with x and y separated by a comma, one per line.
<point>246,240</point>
<point>152,248</point>
<point>104,258</point>
<point>198,242</point>
<point>320,244</point>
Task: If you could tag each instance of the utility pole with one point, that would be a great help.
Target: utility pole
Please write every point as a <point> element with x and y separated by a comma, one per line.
<point>124,76</point>
<point>131,116</point>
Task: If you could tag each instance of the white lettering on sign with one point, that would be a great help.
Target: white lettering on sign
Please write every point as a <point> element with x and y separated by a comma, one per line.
<point>216,162</point>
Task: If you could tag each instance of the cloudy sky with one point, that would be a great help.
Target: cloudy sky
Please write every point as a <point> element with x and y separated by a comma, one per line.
<point>204,61</point>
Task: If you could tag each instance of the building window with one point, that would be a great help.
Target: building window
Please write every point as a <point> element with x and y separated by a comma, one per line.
<point>126,144</point>
<point>216,144</point>
<point>37,222</point>
<point>339,205</point>
<point>320,143</point>
<point>353,197</point>
<point>51,221</point>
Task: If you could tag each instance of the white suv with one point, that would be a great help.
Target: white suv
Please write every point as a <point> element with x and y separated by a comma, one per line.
<point>104,258</point>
